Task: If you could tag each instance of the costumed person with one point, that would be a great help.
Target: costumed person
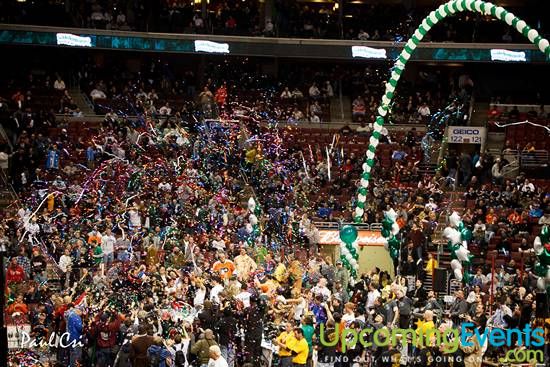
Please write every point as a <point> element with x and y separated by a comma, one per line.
<point>52,158</point>
<point>244,265</point>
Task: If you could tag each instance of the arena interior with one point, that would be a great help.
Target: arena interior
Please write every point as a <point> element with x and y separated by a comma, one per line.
<point>256,183</point>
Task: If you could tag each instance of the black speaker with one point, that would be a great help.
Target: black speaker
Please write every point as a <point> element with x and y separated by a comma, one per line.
<point>542,306</point>
<point>440,280</point>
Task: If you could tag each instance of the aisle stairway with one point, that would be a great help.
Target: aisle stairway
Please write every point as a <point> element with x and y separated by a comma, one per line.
<point>452,201</point>
<point>81,101</point>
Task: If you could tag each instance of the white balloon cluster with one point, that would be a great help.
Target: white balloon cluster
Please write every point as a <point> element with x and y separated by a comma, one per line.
<point>461,246</point>
<point>348,255</point>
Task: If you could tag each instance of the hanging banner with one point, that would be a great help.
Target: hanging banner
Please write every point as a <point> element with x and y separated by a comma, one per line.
<point>466,135</point>
<point>365,238</point>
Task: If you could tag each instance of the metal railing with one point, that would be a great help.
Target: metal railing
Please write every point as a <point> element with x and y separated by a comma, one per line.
<point>522,159</point>
<point>534,159</point>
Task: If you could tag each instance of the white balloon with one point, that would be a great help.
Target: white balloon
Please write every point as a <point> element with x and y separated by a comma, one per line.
<point>395,229</point>
<point>541,284</point>
<point>452,235</point>
<point>455,264</point>
<point>248,228</point>
<point>359,212</point>
<point>253,219</point>
<point>251,204</point>
<point>462,254</point>
<point>537,245</point>
<point>391,214</point>
<point>454,219</point>
<point>353,263</point>
<point>386,245</point>
<point>465,244</point>
<point>458,274</point>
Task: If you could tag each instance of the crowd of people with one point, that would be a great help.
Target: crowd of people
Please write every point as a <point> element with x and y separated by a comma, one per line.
<point>377,22</point>
<point>166,240</point>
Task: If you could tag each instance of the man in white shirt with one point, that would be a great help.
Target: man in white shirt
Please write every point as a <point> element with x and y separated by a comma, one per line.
<point>424,110</point>
<point>372,296</point>
<point>59,84</point>
<point>321,289</point>
<point>97,94</point>
<point>166,109</point>
<point>216,359</point>
<point>218,243</point>
<point>65,264</point>
<point>216,290</point>
<point>314,91</point>
<point>108,247</point>
<point>527,187</point>
<point>244,296</point>
<point>431,205</point>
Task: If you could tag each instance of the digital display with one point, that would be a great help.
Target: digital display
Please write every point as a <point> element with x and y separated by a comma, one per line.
<point>368,52</point>
<point>261,48</point>
<point>507,55</point>
<point>68,39</point>
<point>211,47</point>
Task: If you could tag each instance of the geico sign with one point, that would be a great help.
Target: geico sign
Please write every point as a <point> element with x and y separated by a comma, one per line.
<point>466,131</point>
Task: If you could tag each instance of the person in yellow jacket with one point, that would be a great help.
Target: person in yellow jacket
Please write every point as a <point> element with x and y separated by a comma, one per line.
<point>424,329</point>
<point>431,264</point>
<point>300,349</point>
<point>285,341</point>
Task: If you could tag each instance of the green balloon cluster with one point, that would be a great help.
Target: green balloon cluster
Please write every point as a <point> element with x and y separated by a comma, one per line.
<point>465,235</point>
<point>393,242</point>
<point>348,235</point>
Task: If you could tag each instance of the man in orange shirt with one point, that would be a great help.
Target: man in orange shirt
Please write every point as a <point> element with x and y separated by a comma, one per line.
<point>514,218</point>
<point>221,95</point>
<point>94,235</point>
<point>224,267</point>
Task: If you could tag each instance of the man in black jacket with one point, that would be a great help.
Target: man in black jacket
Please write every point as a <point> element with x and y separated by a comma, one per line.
<point>459,308</point>
<point>227,329</point>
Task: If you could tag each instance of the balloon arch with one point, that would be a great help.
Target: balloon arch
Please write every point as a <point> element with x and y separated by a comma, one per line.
<point>349,246</point>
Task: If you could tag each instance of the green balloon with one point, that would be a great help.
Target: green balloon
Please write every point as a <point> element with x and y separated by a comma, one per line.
<point>467,277</point>
<point>348,234</point>
<point>544,234</point>
<point>465,234</point>
<point>540,270</point>
<point>385,233</point>
<point>387,224</point>
<point>453,247</point>
<point>393,242</point>
<point>545,257</point>
<point>394,253</point>
<point>460,226</point>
